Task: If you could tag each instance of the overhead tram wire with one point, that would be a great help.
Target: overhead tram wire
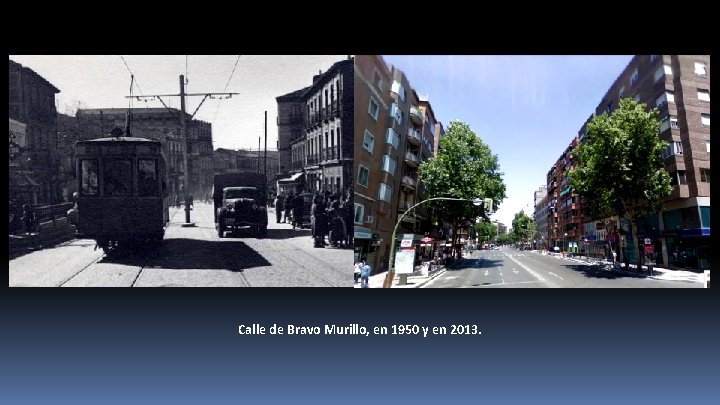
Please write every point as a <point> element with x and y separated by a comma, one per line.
<point>227,85</point>
<point>137,84</point>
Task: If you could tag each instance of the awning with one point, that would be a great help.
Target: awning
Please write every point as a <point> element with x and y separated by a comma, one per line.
<point>291,179</point>
<point>362,233</point>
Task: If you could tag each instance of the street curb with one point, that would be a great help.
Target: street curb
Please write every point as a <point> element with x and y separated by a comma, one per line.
<point>432,277</point>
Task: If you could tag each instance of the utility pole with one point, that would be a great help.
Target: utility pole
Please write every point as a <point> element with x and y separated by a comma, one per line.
<point>183,124</point>
<point>265,159</point>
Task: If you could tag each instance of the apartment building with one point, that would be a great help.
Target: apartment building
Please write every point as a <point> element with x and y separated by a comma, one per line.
<point>679,87</point>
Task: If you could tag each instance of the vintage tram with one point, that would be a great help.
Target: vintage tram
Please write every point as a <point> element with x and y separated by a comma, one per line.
<point>122,190</point>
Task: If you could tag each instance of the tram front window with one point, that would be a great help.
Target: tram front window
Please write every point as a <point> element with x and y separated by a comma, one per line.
<point>89,177</point>
<point>147,178</point>
<point>117,177</point>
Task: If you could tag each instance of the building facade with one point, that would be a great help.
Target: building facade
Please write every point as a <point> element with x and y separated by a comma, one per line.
<point>34,168</point>
<point>315,127</point>
<point>679,87</point>
<point>540,199</point>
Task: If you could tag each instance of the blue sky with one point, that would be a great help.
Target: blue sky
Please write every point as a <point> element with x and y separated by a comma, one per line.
<point>527,108</point>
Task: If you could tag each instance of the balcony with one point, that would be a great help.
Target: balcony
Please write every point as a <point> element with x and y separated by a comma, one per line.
<point>404,205</point>
<point>412,159</point>
<point>413,136</point>
<point>409,183</point>
<point>416,115</point>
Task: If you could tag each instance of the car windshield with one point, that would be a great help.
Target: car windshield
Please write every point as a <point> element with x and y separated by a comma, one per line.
<point>241,193</point>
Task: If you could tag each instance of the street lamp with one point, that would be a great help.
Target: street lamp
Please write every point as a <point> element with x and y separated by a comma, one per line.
<point>391,271</point>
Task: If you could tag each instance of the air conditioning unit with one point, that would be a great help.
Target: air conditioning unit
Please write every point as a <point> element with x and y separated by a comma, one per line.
<point>370,219</point>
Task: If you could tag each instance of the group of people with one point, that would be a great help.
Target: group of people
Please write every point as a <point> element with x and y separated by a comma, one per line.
<point>331,215</point>
<point>293,208</point>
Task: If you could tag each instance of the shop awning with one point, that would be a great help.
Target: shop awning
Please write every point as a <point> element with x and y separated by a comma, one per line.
<point>291,179</point>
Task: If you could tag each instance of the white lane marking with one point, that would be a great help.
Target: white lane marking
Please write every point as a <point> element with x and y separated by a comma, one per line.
<point>539,277</point>
<point>493,285</point>
<point>486,272</point>
<point>515,271</point>
<point>555,275</point>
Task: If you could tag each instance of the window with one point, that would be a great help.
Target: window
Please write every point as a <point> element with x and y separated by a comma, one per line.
<point>653,58</point>
<point>609,107</point>
<point>373,109</point>
<point>707,146</point>
<point>661,100</point>
<point>670,96</point>
<point>621,93</point>
<point>388,164</point>
<point>636,97</point>
<point>359,213</point>
<point>392,138</point>
<point>117,177</point>
<point>705,175</point>
<point>398,89</point>
<point>377,81</point>
<point>673,122</point>
<point>147,178</point>
<point>705,119</point>
<point>703,95</point>
<point>396,113</point>
<point>368,141</point>
<point>385,192</point>
<point>363,175</point>
<point>700,68</point>
<point>634,77</point>
<point>667,69</point>
<point>659,73</point>
<point>677,145</point>
<point>89,177</point>
<point>681,177</point>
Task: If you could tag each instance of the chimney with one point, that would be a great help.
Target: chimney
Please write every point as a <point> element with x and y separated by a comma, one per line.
<point>317,77</point>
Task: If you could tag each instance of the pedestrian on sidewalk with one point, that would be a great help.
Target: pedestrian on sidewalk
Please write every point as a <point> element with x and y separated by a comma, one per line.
<point>365,271</point>
<point>278,207</point>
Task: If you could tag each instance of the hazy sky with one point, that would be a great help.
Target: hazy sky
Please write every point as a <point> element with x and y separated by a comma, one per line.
<point>527,109</point>
<point>103,81</point>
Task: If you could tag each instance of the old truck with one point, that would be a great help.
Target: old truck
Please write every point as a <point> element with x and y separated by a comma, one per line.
<point>240,201</point>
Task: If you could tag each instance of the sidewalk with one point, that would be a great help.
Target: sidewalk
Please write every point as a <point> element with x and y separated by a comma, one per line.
<point>658,273</point>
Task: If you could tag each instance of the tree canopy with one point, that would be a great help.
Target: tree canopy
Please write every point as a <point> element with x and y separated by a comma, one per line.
<point>618,167</point>
<point>486,231</point>
<point>463,168</point>
<point>523,227</point>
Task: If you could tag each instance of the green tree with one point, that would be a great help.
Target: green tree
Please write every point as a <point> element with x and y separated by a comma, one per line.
<point>618,168</point>
<point>463,168</point>
<point>504,239</point>
<point>523,227</point>
<point>485,231</point>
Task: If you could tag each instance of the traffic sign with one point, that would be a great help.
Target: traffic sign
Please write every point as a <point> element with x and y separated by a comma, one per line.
<point>426,239</point>
<point>406,243</point>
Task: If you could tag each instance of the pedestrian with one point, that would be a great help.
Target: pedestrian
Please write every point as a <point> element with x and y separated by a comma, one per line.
<point>287,206</point>
<point>28,218</point>
<point>278,207</point>
<point>297,211</point>
<point>365,271</point>
<point>357,271</point>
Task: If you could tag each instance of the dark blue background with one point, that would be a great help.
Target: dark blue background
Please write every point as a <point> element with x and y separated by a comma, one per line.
<point>181,346</point>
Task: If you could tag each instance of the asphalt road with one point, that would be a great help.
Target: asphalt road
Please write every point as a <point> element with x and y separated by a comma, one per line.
<point>509,267</point>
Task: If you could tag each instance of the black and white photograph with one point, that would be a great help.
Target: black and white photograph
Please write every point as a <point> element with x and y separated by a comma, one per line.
<point>180,170</point>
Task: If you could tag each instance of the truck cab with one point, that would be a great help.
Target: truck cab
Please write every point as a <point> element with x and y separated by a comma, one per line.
<point>240,202</point>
